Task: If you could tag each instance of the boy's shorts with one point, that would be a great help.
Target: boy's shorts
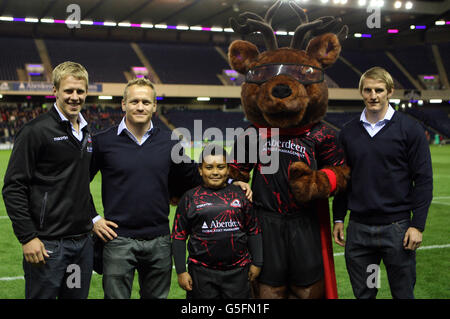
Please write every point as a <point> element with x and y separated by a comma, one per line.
<point>291,249</point>
<point>218,284</point>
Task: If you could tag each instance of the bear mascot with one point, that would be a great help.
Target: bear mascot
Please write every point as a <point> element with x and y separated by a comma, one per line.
<point>285,97</point>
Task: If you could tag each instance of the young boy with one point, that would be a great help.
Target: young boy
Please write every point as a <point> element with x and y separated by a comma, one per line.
<point>225,244</point>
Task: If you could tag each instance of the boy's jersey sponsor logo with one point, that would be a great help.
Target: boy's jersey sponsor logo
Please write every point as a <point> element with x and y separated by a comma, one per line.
<point>218,226</point>
<point>236,203</point>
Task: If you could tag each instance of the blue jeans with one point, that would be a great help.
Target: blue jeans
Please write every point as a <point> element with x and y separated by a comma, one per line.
<point>367,245</point>
<point>152,259</point>
<point>66,273</point>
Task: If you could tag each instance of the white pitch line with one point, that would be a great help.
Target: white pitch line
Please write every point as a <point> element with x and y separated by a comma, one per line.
<point>420,248</point>
<point>336,254</point>
<point>11,278</point>
<point>440,203</point>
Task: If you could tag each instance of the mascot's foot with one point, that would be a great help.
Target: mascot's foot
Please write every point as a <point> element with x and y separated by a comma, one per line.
<point>315,291</point>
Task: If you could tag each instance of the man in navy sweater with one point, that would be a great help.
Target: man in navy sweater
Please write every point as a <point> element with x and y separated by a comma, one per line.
<point>138,177</point>
<point>391,178</point>
<point>135,161</point>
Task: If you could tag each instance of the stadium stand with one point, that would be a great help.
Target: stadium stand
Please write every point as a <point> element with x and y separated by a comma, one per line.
<point>368,59</point>
<point>435,118</point>
<point>105,61</point>
<point>19,52</point>
<point>444,49</point>
<point>185,63</point>
<point>418,60</point>
<point>338,119</point>
<point>209,118</point>
<point>14,116</point>
<point>343,75</point>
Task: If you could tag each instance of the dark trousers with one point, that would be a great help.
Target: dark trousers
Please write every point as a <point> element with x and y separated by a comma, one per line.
<point>66,273</point>
<point>151,258</point>
<point>366,246</point>
<point>218,284</point>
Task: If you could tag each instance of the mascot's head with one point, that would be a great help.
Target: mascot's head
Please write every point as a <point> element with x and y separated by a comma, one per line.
<point>285,87</point>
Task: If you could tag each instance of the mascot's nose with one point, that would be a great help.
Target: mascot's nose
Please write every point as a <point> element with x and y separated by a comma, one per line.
<point>281,91</point>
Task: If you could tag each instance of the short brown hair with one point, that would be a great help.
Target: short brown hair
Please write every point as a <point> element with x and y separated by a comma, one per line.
<point>69,68</point>
<point>139,82</point>
<point>377,73</point>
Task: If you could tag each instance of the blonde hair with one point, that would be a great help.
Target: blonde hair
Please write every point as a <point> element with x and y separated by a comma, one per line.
<point>139,82</point>
<point>69,68</point>
<point>377,73</point>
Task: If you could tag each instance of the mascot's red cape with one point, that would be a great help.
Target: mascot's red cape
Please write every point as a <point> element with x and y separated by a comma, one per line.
<point>293,100</point>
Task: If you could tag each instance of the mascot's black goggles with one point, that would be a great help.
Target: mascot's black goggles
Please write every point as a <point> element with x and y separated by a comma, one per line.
<point>305,74</point>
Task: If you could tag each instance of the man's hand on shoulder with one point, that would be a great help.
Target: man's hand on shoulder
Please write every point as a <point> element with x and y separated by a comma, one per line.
<point>246,188</point>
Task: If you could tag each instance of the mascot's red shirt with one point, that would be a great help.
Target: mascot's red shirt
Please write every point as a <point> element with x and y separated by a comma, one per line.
<point>315,145</point>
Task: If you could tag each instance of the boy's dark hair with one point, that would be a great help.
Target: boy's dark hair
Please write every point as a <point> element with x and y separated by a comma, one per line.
<point>212,149</point>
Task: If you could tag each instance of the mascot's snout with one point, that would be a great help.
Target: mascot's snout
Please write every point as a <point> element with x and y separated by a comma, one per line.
<point>280,91</point>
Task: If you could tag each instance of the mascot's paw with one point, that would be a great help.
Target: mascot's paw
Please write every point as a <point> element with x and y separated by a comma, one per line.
<point>238,175</point>
<point>307,184</point>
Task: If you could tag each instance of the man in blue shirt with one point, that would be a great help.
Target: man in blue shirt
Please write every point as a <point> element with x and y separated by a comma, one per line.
<point>138,178</point>
<point>134,159</point>
<point>391,178</point>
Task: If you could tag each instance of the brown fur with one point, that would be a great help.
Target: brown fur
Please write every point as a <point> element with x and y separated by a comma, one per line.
<point>307,104</point>
<point>238,175</point>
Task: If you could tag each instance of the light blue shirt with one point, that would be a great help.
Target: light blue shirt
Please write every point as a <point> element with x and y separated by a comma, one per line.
<point>123,126</point>
<point>120,129</point>
<point>82,123</point>
<point>373,129</point>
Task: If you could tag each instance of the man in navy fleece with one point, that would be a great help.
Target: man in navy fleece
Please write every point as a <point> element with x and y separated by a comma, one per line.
<point>391,178</point>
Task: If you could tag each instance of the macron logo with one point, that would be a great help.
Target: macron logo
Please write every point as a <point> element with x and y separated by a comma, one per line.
<point>60,138</point>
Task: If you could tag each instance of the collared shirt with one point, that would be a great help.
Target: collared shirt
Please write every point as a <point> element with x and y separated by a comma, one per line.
<point>82,123</point>
<point>123,126</point>
<point>373,129</point>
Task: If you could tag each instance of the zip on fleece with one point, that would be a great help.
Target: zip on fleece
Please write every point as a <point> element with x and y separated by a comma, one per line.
<point>42,216</point>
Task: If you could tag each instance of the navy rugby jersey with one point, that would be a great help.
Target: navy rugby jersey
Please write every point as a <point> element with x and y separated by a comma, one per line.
<point>218,223</point>
<point>316,146</point>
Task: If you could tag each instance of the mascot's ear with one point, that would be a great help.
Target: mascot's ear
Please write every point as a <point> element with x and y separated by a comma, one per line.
<point>325,49</point>
<point>241,54</point>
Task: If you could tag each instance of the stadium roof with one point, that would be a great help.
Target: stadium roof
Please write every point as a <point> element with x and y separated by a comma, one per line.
<point>208,20</point>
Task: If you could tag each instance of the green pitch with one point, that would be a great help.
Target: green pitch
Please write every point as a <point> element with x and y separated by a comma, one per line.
<point>433,261</point>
